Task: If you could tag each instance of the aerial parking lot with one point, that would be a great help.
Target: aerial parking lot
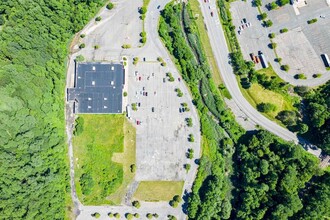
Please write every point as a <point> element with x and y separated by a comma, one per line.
<point>300,47</point>
<point>160,119</point>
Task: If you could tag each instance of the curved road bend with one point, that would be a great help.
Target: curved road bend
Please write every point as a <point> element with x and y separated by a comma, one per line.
<point>221,52</point>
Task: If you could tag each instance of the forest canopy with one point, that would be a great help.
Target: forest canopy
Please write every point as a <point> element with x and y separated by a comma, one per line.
<point>33,48</point>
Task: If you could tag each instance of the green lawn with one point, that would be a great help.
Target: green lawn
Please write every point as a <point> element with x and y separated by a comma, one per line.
<point>97,175</point>
<point>257,94</point>
<point>195,8</point>
<point>158,190</point>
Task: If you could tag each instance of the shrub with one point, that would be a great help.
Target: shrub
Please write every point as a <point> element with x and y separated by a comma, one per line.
<point>191,138</point>
<point>263,16</point>
<point>189,122</point>
<point>126,46</point>
<point>187,166</point>
<point>98,18</point>
<point>143,40</point>
<point>300,76</point>
<point>136,204</point>
<point>80,58</point>
<point>266,107</point>
<point>129,216</point>
<point>283,2</point>
<point>79,126</point>
<point>96,47</point>
<point>110,6</point>
<point>285,68</point>
<point>143,10</point>
<point>268,23</point>
<point>125,94</point>
<point>134,107</point>
<point>143,34</point>
<point>82,35</point>
<point>271,35</point>
<point>174,204</point>
<point>278,59</point>
<point>273,45</point>
<point>284,30</point>
<point>96,215</point>
<point>81,46</point>
<point>312,21</point>
<point>272,5</point>
<point>133,168</point>
<point>318,75</point>
<point>190,153</point>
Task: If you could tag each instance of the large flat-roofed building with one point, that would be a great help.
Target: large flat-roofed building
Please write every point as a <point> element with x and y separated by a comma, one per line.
<point>98,88</point>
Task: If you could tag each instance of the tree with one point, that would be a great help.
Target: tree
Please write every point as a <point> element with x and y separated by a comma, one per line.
<point>136,204</point>
<point>272,5</point>
<point>273,45</point>
<point>98,18</point>
<point>263,16</point>
<point>149,216</point>
<point>285,68</point>
<point>284,30</point>
<point>271,35</point>
<point>96,215</point>
<point>191,138</point>
<point>143,10</point>
<point>83,35</point>
<point>266,107</point>
<point>110,6</point>
<point>283,2</point>
<point>302,128</point>
<point>125,94</point>
<point>189,122</point>
<point>187,166</point>
<point>258,2</point>
<point>129,216</point>
<point>81,46</point>
<point>80,58</point>
<point>268,23</point>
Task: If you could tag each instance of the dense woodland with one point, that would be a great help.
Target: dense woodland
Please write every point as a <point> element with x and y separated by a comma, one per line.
<point>272,179</point>
<point>317,116</point>
<point>34,36</point>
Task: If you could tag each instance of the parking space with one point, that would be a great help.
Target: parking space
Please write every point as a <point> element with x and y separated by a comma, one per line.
<point>253,37</point>
<point>300,48</point>
<point>298,53</point>
<point>162,133</point>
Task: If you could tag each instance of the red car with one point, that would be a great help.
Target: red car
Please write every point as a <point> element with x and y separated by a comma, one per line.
<point>140,78</point>
<point>138,122</point>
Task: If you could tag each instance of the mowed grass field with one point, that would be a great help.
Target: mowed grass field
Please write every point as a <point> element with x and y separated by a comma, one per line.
<point>158,190</point>
<point>97,175</point>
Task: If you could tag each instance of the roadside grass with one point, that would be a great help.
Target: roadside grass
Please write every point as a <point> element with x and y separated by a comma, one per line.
<point>257,94</point>
<point>103,135</point>
<point>158,190</point>
<point>195,8</point>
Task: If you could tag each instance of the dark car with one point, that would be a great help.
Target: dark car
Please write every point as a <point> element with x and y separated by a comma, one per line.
<point>158,7</point>
<point>153,109</point>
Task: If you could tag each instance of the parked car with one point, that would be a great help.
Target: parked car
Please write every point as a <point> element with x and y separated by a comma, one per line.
<point>153,109</point>
<point>212,13</point>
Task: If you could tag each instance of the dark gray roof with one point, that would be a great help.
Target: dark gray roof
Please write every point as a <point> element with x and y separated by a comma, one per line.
<point>98,88</point>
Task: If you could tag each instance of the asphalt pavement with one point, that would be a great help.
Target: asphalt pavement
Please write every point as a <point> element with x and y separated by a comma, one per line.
<point>221,52</point>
